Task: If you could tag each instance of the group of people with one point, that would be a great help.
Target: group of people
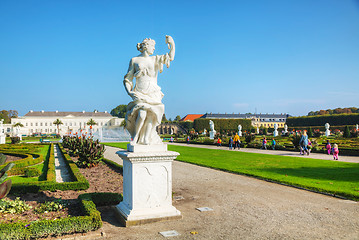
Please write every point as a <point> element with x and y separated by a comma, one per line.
<point>306,145</point>
<point>332,150</point>
<point>234,142</point>
<point>264,143</point>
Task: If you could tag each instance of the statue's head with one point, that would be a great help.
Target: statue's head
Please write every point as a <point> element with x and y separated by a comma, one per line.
<point>148,45</point>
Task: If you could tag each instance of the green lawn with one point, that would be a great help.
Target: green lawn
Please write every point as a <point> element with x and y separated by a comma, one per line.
<point>333,177</point>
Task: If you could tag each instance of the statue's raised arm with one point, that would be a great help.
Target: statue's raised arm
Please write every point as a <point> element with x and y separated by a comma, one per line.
<point>171,47</point>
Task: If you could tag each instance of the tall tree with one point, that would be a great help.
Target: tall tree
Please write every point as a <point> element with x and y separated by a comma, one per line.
<point>178,118</point>
<point>119,111</point>
<point>58,122</point>
<point>7,115</point>
<point>91,122</point>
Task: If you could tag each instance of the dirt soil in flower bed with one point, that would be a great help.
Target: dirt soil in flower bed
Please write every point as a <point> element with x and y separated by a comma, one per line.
<point>101,178</point>
<point>10,158</point>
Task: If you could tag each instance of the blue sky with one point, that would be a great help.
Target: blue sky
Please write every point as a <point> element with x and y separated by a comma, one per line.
<point>275,56</point>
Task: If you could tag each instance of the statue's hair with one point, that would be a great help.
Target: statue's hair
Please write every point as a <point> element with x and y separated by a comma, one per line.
<point>145,42</point>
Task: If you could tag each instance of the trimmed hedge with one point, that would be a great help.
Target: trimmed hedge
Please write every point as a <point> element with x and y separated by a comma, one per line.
<point>334,120</point>
<point>20,165</point>
<point>222,124</point>
<point>79,183</point>
<point>113,164</point>
<point>44,228</point>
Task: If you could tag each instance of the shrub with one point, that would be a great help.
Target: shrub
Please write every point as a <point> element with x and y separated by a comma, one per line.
<point>249,138</point>
<point>15,140</point>
<point>295,140</point>
<point>90,153</point>
<point>32,172</point>
<point>346,132</point>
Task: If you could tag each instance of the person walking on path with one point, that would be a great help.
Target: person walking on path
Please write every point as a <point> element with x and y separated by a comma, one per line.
<point>273,144</point>
<point>335,152</point>
<point>304,143</point>
<point>188,139</point>
<point>236,141</point>
<point>230,143</point>
<point>264,143</point>
<point>219,142</point>
<point>328,147</point>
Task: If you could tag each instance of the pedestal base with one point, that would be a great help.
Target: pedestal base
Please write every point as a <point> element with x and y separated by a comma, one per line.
<point>147,187</point>
<point>212,134</point>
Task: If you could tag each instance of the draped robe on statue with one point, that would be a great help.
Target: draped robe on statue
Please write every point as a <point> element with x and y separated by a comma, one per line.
<point>147,95</point>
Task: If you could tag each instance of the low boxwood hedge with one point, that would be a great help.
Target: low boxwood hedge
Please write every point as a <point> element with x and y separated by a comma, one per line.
<point>79,183</point>
<point>44,228</point>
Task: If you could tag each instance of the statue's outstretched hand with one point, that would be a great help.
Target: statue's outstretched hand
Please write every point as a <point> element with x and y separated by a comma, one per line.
<point>169,41</point>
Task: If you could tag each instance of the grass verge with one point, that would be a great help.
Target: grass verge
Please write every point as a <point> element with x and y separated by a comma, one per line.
<point>336,178</point>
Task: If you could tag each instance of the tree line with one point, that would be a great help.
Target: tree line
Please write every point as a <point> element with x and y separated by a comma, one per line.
<point>334,111</point>
<point>8,114</point>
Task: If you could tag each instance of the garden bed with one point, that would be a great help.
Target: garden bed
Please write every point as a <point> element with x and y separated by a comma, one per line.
<point>105,188</point>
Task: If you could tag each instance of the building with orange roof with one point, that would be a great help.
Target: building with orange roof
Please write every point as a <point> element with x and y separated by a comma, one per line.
<point>191,117</point>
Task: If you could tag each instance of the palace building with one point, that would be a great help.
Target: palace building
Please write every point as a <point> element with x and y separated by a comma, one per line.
<point>42,122</point>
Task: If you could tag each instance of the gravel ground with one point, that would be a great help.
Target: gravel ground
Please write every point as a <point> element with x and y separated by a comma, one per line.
<point>243,208</point>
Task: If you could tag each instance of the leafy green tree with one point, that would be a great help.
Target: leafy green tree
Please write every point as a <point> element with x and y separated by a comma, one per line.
<point>346,132</point>
<point>310,132</point>
<point>119,111</point>
<point>58,122</point>
<point>177,118</point>
<point>7,115</point>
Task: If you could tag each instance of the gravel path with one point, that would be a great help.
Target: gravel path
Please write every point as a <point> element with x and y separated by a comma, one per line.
<point>243,208</point>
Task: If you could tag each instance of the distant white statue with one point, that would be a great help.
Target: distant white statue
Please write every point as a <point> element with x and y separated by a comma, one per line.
<point>2,135</point>
<point>285,129</point>
<point>145,112</point>
<point>204,132</point>
<point>240,130</point>
<point>212,133</point>
<point>275,133</point>
<point>357,127</point>
<point>257,131</point>
<point>327,131</point>
<point>1,126</point>
<point>171,131</point>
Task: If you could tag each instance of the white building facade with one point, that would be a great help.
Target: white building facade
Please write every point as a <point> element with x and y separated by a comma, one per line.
<point>42,122</point>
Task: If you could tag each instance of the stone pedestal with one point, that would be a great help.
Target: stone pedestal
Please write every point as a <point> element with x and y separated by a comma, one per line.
<point>147,185</point>
<point>212,134</point>
<point>2,139</point>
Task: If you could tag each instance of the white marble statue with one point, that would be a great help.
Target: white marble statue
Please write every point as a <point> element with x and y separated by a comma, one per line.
<point>275,133</point>
<point>327,131</point>
<point>204,132</point>
<point>357,127</point>
<point>145,112</point>
<point>212,133</point>
<point>211,125</point>
<point>2,135</point>
<point>240,130</point>
<point>1,126</point>
<point>257,131</point>
<point>285,129</point>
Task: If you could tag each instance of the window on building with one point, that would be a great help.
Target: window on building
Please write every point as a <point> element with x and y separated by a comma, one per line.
<point>36,124</point>
<point>46,124</point>
<point>41,124</point>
